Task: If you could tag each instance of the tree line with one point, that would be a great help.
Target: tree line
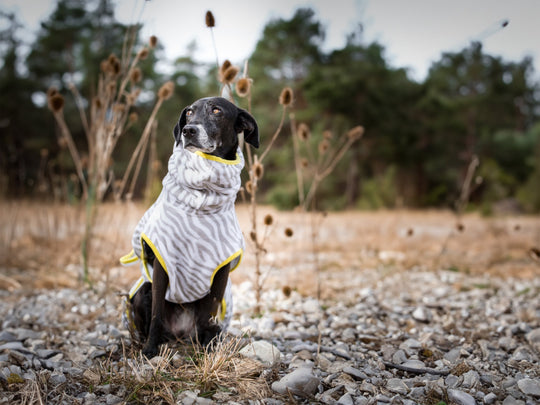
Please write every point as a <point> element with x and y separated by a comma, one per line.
<point>419,140</point>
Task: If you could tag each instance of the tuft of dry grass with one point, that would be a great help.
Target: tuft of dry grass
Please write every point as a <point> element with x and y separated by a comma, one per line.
<point>220,370</point>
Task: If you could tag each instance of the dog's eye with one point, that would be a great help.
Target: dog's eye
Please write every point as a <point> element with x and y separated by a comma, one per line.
<point>216,110</point>
<point>189,113</point>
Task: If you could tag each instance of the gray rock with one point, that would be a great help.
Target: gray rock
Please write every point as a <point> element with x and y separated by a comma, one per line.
<point>6,336</point>
<point>346,399</point>
<point>529,386</point>
<point>399,357</point>
<point>397,386</point>
<point>414,364</point>
<point>263,351</point>
<point>510,400</point>
<point>490,398</point>
<point>533,337</point>
<point>470,379</point>
<point>355,373</point>
<point>301,382</point>
<point>57,378</point>
<point>422,314</point>
<point>460,397</point>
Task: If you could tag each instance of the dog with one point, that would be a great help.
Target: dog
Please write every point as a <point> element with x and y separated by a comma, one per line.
<point>189,240</point>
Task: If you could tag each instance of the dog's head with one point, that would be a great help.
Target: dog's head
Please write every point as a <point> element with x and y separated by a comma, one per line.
<point>212,125</point>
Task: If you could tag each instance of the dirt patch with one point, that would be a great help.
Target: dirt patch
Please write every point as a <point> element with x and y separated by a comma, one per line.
<point>41,245</point>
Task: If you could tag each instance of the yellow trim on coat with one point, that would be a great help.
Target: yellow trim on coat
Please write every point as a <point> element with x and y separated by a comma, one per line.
<point>146,239</point>
<point>218,159</point>
<point>227,261</point>
<point>130,258</point>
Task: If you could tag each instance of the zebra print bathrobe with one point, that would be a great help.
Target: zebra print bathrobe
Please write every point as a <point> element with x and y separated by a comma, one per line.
<point>192,228</point>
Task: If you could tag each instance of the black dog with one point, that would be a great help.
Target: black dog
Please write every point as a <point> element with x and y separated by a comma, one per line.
<point>206,139</point>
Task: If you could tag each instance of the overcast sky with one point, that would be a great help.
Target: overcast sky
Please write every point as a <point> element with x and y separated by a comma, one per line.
<point>414,32</point>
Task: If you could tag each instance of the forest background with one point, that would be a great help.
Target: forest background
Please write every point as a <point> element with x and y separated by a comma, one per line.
<point>420,136</point>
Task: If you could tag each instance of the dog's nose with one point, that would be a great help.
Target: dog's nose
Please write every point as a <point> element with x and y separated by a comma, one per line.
<point>189,130</point>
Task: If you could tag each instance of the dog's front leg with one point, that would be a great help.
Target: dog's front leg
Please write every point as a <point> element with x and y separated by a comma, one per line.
<point>156,334</point>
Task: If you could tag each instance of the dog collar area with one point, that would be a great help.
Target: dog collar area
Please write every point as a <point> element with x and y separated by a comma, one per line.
<point>218,159</point>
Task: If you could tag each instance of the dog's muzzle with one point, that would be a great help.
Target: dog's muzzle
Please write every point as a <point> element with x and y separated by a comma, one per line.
<point>195,137</point>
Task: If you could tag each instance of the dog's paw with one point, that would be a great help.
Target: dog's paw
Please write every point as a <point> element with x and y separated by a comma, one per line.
<point>150,351</point>
<point>209,335</point>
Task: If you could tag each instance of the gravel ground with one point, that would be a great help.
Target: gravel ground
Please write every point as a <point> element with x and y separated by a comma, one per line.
<point>401,338</point>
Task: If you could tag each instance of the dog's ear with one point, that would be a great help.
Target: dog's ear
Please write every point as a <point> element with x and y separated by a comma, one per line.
<point>177,131</point>
<point>246,123</point>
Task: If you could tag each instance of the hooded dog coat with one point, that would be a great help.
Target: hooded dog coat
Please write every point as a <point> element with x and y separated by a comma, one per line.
<point>192,228</point>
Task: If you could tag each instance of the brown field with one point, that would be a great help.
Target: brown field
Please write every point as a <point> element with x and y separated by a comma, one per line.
<point>40,246</point>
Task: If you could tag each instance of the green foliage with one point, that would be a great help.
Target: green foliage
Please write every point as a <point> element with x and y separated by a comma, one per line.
<point>380,191</point>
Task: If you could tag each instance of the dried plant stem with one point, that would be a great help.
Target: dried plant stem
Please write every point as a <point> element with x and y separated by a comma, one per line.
<point>72,150</point>
<point>142,143</point>
<point>274,137</point>
<point>461,203</point>
<point>322,173</point>
<point>297,162</point>
<point>84,120</point>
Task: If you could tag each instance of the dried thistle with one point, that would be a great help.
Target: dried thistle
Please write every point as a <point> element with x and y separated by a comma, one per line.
<point>152,42</point>
<point>324,145</point>
<point>289,232</point>
<point>268,220</point>
<point>286,97</point>
<point>249,186</point>
<point>243,87</point>
<point>227,64</point>
<point>287,291</point>
<point>119,108</point>
<point>258,170</point>
<point>143,53</point>
<point>356,132</point>
<point>56,102</point>
<point>133,117</point>
<point>210,20</point>
<point>166,91</point>
<point>51,91</point>
<point>229,74</point>
<point>303,132</point>
<point>136,75</point>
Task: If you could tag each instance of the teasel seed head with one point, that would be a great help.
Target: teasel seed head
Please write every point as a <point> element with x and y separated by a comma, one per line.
<point>249,186</point>
<point>56,102</point>
<point>303,132</point>
<point>258,170</point>
<point>152,42</point>
<point>356,132</point>
<point>143,53</point>
<point>136,75</point>
<point>534,252</point>
<point>286,97</point>
<point>460,227</point>
<point>268,220</point>
<point>287,291</point>
<point>225,65</point>
<point>51,91</point>
<point>133,117</point>
<point>324,145</point>
<point>111,87</point>
<point>97,103</point>
<point>328,134</point>
<point>243,87</point>
<point>304,163</point>
<point>166,91</point>
<point>288,232</point>
<point>119,108</point>
<point>210,20</point>
<point>229,75</point>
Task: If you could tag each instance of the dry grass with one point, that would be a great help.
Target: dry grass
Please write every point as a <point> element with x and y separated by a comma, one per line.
<point>40,245</point>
